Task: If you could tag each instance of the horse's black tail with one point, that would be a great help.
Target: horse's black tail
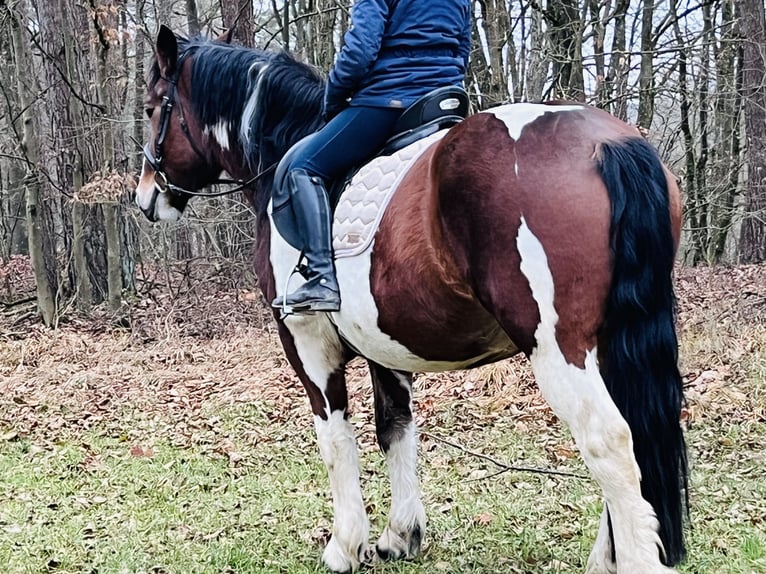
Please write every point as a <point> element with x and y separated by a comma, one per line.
<point>640,362</point>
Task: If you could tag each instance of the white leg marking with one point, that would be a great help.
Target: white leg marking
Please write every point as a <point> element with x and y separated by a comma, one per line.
<point>407,516</point>
<point>600,559</point>
<point>579,397</point>
<point>350,533</point>
<point>321,354</point>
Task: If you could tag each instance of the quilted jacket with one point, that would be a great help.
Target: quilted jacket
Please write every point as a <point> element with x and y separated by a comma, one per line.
<point>398,50</point>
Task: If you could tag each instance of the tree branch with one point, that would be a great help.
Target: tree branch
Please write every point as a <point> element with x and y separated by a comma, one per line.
<point>504,467</point>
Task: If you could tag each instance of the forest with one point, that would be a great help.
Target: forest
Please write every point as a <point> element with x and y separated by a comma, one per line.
<point>150,418</point>
<point>690,74</point>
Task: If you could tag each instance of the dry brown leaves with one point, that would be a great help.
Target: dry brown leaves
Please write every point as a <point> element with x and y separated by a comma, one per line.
<point>722,320</point>
<point>172,355</point>
<point>105,186</point>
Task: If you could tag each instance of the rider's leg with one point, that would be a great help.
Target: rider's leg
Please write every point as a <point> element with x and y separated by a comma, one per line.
<point>350,138</point>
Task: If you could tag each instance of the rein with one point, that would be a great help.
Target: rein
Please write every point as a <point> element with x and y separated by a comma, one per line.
<point>156,159</point>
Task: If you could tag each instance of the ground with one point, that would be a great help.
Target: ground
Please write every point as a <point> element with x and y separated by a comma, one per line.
<point>176,439</point>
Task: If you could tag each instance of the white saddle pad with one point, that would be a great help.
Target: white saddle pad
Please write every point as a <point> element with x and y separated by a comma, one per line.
<point>362,204</point>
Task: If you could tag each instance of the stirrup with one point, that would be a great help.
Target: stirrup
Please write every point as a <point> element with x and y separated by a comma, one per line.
<point>284,308</point>
<point>310,301</point>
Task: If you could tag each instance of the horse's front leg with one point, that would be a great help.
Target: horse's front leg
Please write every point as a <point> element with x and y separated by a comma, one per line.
<point>396,436</point>
<point>319,358</point>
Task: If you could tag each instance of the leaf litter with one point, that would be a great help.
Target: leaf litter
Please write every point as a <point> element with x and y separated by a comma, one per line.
<point>179,353</point>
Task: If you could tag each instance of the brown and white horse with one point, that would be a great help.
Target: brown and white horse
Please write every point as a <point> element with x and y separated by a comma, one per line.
<point>544,229</point>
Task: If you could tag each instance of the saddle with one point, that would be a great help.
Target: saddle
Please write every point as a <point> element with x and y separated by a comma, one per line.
<point>437,110</point>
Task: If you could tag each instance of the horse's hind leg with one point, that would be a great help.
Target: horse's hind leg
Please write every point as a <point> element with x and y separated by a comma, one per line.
<point>601,559</point>
<point>396,436</point>
<point>319,358</point>
<point>579,397</point>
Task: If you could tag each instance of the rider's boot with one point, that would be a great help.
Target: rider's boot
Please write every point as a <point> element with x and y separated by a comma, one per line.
<point>312,213</point>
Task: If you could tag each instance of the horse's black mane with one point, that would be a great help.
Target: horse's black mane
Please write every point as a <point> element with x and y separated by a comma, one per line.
<point>288,104</point>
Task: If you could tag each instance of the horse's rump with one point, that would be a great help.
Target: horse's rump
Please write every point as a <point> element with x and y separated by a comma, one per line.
<point>447,249</point>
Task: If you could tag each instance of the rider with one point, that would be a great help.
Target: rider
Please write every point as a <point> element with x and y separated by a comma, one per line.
<point>394,52</point>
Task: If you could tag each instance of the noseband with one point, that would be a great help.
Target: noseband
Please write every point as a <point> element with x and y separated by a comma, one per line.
<point>156,159</point>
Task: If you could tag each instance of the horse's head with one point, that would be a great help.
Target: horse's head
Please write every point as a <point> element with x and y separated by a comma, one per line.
<point>175,160</point>
<point>215,107</point>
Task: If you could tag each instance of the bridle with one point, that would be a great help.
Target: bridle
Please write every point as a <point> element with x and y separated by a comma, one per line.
<point>156,159</point>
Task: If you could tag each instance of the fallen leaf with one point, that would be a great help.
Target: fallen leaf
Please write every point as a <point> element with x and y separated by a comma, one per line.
<point>142,452</point>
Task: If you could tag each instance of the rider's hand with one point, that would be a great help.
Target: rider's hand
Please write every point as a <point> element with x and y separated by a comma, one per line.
<point>335,101</point>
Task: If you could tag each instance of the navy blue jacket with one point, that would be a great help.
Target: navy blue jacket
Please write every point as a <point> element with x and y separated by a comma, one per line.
<point>398,50</point>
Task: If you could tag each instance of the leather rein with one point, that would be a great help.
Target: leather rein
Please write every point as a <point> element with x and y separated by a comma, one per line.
<point>156,159</point>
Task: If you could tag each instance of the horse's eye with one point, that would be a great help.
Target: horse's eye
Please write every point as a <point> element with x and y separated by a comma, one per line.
<point>149,112</point>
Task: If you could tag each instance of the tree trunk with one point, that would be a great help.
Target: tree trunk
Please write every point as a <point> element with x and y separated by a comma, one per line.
<point>238,14</point>
<point>496,26</point>
<point>537,70</point>
<point>565,37</point>
<point>192,20</point>
<point>619,67</point>
<point>136,158</point>
<point>704,203</point>
<point>646,74</point>
<point>324,47</point>
<point>599,34</point>
<point>114,267</point>
<point>728,123</point>
<point>83,294</point>
<point>109,208</point>
<point>752,22</point>
<point>46,301</point>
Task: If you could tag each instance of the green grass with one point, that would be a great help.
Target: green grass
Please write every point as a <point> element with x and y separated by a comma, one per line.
<point>90,506</point>
<point>240,487</point>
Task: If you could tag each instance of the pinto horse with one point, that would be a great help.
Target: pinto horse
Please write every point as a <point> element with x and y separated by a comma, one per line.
<point>544,229</point>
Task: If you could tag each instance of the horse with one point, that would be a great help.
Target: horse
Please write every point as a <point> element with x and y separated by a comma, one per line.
<point>544,229</point>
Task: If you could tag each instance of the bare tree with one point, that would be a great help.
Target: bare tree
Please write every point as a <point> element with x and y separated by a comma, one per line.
<point>617,77</point>
<point>752,22</point>
<point>537,70</point>
<point>238,15</point>
<point>565,38</point>
<point>45,275</point>
<point>726,153</point>
<point>646,75</point>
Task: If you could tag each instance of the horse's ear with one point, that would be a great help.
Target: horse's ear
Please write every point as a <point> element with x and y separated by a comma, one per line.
<point>167,51</point>
<point>226,36</point>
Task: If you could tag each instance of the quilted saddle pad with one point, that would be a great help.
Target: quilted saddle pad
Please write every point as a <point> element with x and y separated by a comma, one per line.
<point>363,203</point>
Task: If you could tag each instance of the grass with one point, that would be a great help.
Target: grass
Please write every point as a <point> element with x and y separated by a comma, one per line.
<point>124,456</point>
<point>98,505</point>
<point>95,507</point>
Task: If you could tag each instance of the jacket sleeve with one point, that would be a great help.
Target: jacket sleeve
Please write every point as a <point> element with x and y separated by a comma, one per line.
<point>360,50</point>
<point>464,50</point>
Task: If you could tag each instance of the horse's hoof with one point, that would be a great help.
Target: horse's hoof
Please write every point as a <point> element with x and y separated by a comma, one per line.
<point>336,560</point>
<point>394,546</point>
<point>339,562</point>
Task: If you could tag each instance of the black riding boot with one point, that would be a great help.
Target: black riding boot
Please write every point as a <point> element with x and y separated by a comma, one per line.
<point>312,213</point>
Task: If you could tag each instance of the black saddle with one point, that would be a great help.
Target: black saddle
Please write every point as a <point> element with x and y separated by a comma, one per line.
<point>437,110</point>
